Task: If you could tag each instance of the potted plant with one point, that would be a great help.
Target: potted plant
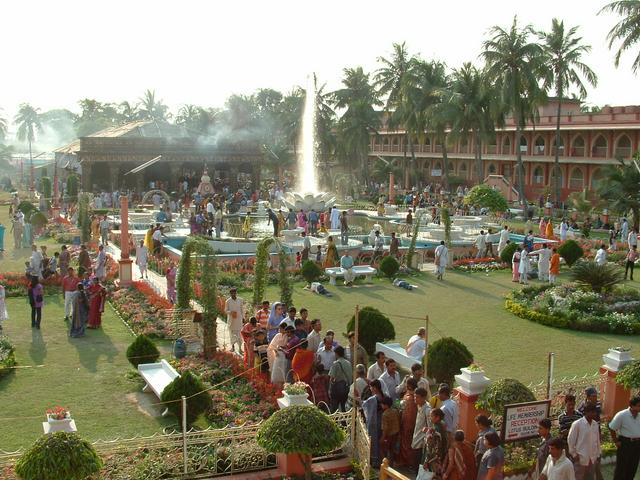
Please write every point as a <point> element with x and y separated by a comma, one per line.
<point>617,358</point>
<point>58,416</point>
<point>472,379</point>
<point>296,393</point>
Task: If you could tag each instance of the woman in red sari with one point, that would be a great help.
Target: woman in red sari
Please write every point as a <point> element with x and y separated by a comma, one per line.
<point>246,333</point>
<point>302,363</point>
<point>408,456</point>
<point>97,295</point>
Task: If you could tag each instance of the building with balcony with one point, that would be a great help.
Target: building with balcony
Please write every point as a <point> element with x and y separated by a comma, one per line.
<point>588,142</point>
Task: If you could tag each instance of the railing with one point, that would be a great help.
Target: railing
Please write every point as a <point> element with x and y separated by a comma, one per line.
<point>622,152</point>
<point>560,151</point>
<point>437,148</point>
<point>505,150</point>
<point>361,448</point>
<point>491,149</point>
<point>599,152</point>
<point>577,152</point>
<point>386,472</point>
<point>538,150</point>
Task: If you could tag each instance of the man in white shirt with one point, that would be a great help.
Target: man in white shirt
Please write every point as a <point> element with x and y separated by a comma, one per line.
<point>601,255</point>
<point>104,230</point>
<point>417,345</point>
<point>544,260</point>
<point>480,244</point>
<point>584,443</point>
<point>625,433</point>
<point>422,419</point>
<point>624,230</point>
<point>441,259</point>
<point>210,210</point>
<point>449,408</point>
<point>390,379</point>
<point>35,262</point>
<point>558,466</point>
<point>326,356</point>
<point>157,240</point>
<point>632,238</point>
<point>234,309</point>
<point>504,238</point>
<point>377,368</point>
<point>417,373</point>
<point>142,257</point>
<point>314,338</point>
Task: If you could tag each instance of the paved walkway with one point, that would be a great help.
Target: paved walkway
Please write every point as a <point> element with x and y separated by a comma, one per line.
<point>159,285</point>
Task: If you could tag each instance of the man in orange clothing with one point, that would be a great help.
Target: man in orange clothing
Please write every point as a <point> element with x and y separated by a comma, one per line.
<point>262,315</point>
<point>554,266</point>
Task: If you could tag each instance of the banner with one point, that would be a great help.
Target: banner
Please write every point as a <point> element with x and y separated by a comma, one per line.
<point>520,420</point>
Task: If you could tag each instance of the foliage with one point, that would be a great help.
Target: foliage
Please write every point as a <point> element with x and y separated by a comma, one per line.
<point>281,433</point>
<point>286,290</point>
<point>619,188</point>
<point>143,310</point>
<point>84,222</point>
<point>505,391</point>
<point>484,265</point>
<point>261,269</point>
<point>38,219</point>
<point>599,278</point>
<point>412,246</point>
<point>209,298</point>
<point>373,326</point>
<point>625,32</point>
<point>46,187</point>
<point>445,217</point>
<point>26,208</point>
<point>445,357</point>
<point>72,186</point>
<point>310,271</point>
<point>571,251</point>
<point>190,386</point>
<point>581,203</point>
<point>142,350</point>
<point>184,288</point>
<point>7,356</point>
<point>629,375</point>
<point>483,196</point>
<point>389,266</point>
<point>507,252</point>
<point>59,455</point>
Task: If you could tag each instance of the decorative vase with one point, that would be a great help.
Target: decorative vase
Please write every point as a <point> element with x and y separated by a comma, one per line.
<point>58,423</point>
<point>300,399</point>
<point>472,382</point>
<point>615,359</point>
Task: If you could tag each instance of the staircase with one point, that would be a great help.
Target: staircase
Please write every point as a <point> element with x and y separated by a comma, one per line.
<point>505,187</point>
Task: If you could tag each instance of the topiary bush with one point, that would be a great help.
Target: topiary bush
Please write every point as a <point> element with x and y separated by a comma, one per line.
<point>57,456</point>
<point>374,327</point>
<point>389,266</point>
<point>72,186</point>
<point>310,271</point>
<point>445,357</point>
<point>484,196</point>
<point>507,252</point>
<point>46,187</point>
<point>26,208</point>
<point>599,278</point>
<point>190,386</point>
<point>7,356</point>
<point>504,392</point>
<point>281,433</point>
<point>629,376</point>
<point>38,219</point>
<point>142,350</point>
<point>571,251</point>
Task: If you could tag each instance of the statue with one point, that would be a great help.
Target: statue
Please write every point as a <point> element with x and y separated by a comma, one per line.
<point>205,187</point>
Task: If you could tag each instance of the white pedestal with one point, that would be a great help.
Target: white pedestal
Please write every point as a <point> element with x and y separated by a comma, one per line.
<point>615,360</point>
<point>60,426</point>
<point>472,382</point>
<point>289,400</point>
<point>390,209</point>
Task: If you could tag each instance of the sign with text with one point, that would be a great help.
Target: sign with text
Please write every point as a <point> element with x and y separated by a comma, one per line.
<point>520,420</point>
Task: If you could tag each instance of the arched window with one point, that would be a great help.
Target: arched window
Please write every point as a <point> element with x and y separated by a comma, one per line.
<point>599,148</point>
<point>539,146</point>
<point>557,172</point>
<point>596,178</point>
<point>462,169</point>
<point>386,141</point>
<point>560,146</point>
<point>576,179</point>
<point>464,145</point>
<point>538,175</point>
<point>623,147</point>
<point>577,149</point>
<point>506,171</point>
<point>491,169</point>
<point>451,166</point>
<point>506,146</point>
<point>523,144</point>
<point>492,145</point>
<point>396,140</point>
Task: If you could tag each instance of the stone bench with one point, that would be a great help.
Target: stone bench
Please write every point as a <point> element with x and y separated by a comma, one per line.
<point>397,353</point>
<point>157,376</point>
<point>358,271</point>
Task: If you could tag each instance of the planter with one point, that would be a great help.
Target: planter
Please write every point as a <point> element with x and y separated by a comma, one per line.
<point>472,382</point>
<point>297,399</point>
<point>615,359</point>
<point>59,424</point>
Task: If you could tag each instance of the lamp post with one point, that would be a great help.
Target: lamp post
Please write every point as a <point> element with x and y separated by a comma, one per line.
<point>124,263</point>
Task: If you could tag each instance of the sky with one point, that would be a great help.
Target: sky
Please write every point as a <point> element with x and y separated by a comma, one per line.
<point>200,52</point>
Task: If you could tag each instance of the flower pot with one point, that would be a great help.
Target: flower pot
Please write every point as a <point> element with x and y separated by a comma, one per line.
<point>296,399</point>
<point>615,359</point>
<point>472,382</point>
<point>54,422</point>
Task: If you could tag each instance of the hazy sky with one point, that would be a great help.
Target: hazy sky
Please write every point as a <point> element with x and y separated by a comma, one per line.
<point>57,52</point>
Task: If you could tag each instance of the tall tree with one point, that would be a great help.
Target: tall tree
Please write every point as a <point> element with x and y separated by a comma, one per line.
<point>325,124</point>
<point>291,118</point>
<point>29,123</point>
<point>128,112</point>
<point>152,108</point>
<point>517,67</point>
<point>3,127</point>
<point>619,188</point>
<point>359,120</point>
<point>95,116</point>
<point>627,30</point>
<point>564,50</point>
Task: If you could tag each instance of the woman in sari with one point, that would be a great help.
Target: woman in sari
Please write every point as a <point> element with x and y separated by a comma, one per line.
<point>246,333</point>
<point>302,363</point>
<point>97,295</point>
<point>331,257</point>
<point>80,312</point>
<point>148,238</point>
<point>460,463</point>
<point>302,220</point>
<point>171,282</point>
<point>436,443</point>
<point>275,319</point>
<point>372,409</point>
<point>276,358</point>
<point>408,455</point>
<point>549,229</point>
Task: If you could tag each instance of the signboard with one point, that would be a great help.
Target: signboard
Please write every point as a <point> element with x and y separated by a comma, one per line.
<point>436,172</point>
<point>520,420</point>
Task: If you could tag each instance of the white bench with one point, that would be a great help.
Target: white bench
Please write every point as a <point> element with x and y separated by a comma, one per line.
<point>157,376</point>
<point>399,354</point>
<point>358,271</point>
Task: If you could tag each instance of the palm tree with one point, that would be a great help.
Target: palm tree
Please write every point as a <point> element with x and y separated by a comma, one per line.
<point>627,30</point>
<point>516,66</point>
<point>3,127</point>
<point>290,118</point>
<point>325,124</point>
<point>5,156</point>
<point>152,109</point>
<point>564,51</point>
<point>28,121</point>
<point>128,112</point>
<point>620,189</point>
<point>359,119</point>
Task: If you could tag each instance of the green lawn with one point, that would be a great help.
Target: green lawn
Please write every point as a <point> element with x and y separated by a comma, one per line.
<point>87,375</point>
<point>469,307</point>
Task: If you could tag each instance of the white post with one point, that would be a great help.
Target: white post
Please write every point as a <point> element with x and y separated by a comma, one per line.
<point>552,357</point>
<point>184,433</point>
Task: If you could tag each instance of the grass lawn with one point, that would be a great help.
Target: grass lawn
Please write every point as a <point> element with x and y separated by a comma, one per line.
<point>469,307</point>
<point>87,375</point>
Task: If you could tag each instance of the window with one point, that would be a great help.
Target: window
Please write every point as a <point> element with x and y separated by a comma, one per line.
<point>523,144</point>
<point>463,167</point>
<point>538,176</point>
<point>506,171</point>
<point>599,147</point>
<point>539,146</point>
<point>576,179</point>
<point>560,147</point>
<point>577,150</point>
<point>491,170</point>
<point>506,146</point>
<point>596,178</point>
<point>623,147</point>
<point>557,172</point>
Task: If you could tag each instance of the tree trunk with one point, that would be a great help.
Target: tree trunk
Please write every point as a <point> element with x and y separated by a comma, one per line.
<point>556,162</point>
<point>413,163</point>
<point>478,157</point>
<point>209,338</point>
<point>520,164</point>
<point>445,164</point>
<point>31,173</point>
<point>404,160</point>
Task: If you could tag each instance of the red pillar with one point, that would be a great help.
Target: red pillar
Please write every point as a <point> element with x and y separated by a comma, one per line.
<point>392,190</point>
<point>615,397</point>
<point>124,264</point>
<point>472,384</point>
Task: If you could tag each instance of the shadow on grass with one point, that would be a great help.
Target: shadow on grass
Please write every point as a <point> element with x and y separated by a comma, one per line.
<point>38,347</point>
<point>94,345</point>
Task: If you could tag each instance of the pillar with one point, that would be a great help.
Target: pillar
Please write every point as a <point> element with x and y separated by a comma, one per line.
<point>392,189</point>
<point>472,384</point>
<point>87,186</point>
<point>124,263</point>
<point>291,464</point>
<point>255,177</point>
<point>114,173</point>
<point>614,397</point>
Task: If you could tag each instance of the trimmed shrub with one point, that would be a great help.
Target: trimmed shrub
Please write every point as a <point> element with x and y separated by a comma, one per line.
<point>599,278</point>
<point>389,266</point>
<point>229,280</point>
<point>57,456</point>
<point>504,392</point>
<point>46,187</point>
<point>190,386</point>
<point>629,376</point>
<point>310,271</point>
<point>485,196</point>
<point>26,208</point>
<point>142,350</point>
<point>374,327</point>
<point>507,252</point>
<point>571,251</point>
<point>38,219</point>
<point>72,186</point>
<point>7,356</point>
<point>445,357</point>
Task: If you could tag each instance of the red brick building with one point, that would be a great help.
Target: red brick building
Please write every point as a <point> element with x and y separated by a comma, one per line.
<point>589,141</point>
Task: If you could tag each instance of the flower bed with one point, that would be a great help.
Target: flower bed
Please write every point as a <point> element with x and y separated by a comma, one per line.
<point>247,398</point>
<point>143,310</point>
<point>566,306</point>
<point>480,264</point>
<point>7,355</point>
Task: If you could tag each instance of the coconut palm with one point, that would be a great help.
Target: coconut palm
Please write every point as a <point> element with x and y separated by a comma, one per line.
<point>128,112</point>
<point>151,108</point>
<point>290,118</point>
<point>627,30</point>
<point>619,188</point>
<point>564,50</point>
<point>5,156</point>
<point>3,127</point>
<point>516,66</point>
<point>28,121</point>
<point>325,123</point>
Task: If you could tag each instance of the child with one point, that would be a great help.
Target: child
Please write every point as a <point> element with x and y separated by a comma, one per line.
<point>390,429</point>
<point>554,266</point>
<point>320,387</point>
<point>319,255</point>
<point>298,259</point>
<point>260,345</point>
